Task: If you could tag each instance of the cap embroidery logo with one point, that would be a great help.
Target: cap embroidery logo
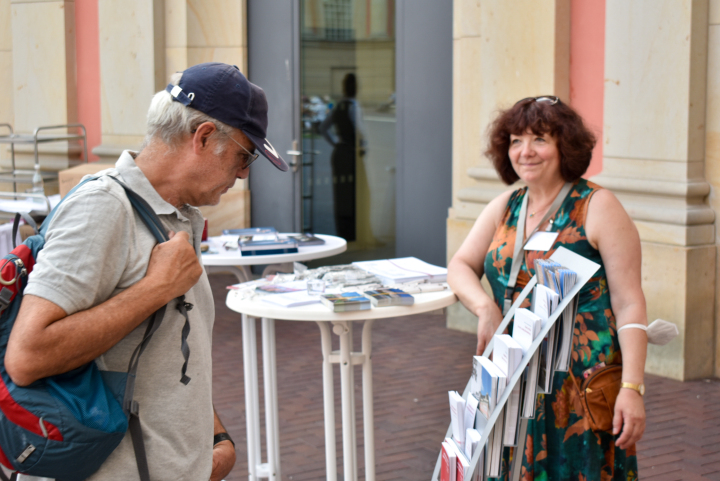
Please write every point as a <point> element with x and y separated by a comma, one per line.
<point>268,146</point>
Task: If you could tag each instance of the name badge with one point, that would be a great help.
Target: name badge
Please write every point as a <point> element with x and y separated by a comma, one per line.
<point>541,241</point>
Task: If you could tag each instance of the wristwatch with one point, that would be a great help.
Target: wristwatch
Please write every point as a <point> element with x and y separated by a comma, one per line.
<point>640,388</point>
<point>220,437</point>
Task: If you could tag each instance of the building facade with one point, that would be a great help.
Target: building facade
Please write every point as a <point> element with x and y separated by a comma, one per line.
<point>645,74</point>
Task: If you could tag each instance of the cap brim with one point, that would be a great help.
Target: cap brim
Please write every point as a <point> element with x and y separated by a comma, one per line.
<point>264,147</point>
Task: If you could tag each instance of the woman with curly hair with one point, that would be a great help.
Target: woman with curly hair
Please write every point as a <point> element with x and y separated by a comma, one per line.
<point>545,144</point>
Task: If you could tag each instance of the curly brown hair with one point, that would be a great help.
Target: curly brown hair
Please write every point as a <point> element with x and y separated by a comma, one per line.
<point>575,142</point>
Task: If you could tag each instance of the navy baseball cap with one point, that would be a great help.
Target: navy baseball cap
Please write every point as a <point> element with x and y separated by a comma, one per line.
<point>222,92</point>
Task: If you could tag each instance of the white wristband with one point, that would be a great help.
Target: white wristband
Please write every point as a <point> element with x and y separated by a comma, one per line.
<point>633,326</point>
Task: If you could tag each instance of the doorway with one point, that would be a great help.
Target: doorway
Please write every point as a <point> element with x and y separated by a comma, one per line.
<point>347,85</point>
<point>299,52</point>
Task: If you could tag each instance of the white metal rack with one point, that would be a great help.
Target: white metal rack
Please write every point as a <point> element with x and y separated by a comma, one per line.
<point>585,269</point>
<point>41,135</point>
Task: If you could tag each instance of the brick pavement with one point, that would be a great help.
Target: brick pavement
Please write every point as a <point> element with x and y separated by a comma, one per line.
<point>415,362</point>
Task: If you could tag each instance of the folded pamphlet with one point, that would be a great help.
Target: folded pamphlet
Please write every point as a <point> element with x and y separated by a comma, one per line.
<point>405,269</point>
<point>561,280</point>
<point>448,468</point>
<point>347,301</point>
<point>291,299</point>
<point>457,416</point>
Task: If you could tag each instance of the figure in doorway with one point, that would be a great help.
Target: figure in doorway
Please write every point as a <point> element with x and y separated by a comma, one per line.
<point>348,144</point>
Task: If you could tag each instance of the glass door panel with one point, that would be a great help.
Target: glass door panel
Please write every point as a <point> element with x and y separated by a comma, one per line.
<point>347,84</point>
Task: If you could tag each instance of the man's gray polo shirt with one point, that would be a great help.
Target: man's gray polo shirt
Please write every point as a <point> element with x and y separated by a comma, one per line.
<point>96,247</point>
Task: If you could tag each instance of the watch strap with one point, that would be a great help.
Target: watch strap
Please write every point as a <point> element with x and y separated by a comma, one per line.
<point>220,437</point>
<point>634,387</point>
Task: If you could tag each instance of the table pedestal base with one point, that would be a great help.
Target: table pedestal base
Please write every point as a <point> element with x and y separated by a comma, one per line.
<point>257,469</point>
<point>347,359</point>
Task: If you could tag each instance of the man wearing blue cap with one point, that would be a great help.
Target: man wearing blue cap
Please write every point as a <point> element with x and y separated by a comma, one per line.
<point>101,273</point>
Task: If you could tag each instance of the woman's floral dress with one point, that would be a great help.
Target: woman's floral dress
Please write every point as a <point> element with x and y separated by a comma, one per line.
<point>559,447</point>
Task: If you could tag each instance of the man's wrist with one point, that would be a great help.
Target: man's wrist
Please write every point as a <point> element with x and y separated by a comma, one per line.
<point>220,437</point>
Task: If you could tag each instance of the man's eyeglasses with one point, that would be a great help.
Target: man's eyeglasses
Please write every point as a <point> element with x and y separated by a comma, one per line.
<point>545,99</point>
<point>250,157</point>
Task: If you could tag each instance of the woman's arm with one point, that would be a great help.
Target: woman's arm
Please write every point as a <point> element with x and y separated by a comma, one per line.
<point>611,231</point>
<point>466,269</point>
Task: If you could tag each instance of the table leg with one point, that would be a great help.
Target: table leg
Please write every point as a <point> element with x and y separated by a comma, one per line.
<point>328,402</point>
<point>342,329</point>
<point>272,431</point>
<point>351,376</point>
<point>368,410</point>
<point>285,267</point>
<point>242,273</point>
<point>251,395</point>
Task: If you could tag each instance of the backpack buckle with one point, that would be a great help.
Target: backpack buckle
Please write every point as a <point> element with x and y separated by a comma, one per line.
<point>6,296</point>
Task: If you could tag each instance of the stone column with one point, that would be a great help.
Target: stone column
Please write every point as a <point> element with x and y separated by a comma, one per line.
<point>143,42</point>
<point>198,31</point>
<point>503,51</point>
<point>712,146</point>
<point>43,73</point>
<point>654,152</point>
<point>132,69</point>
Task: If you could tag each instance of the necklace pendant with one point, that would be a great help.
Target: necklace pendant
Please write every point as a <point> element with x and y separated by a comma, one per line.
<point>532,214</point>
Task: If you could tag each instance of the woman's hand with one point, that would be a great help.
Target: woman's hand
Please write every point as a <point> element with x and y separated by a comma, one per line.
<point>489,318</point>
<point>630,417</point>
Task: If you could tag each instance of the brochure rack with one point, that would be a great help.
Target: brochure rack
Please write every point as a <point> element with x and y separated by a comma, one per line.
<point>585,270</point>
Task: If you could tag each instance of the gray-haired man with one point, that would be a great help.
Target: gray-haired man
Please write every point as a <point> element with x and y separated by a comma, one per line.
<point>101,273</point>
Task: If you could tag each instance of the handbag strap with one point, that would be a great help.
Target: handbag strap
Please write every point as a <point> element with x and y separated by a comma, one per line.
<point>520,240</point>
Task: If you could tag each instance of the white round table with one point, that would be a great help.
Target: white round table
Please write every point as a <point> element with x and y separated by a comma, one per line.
<point>342,327</point>
<point>234,262</point>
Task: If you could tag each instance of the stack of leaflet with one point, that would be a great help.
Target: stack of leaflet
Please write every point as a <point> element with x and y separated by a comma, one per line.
<point>390,297</point>
<point>526,327</point>
<point>250,231</point>
<point>545,301</point>
<point>507,356</point>
<point>561,280</point>
<point>459,450</point>
<point>346,301</point>
<point>487,384</point>
<point>405,269</point>
<point>266,244</point>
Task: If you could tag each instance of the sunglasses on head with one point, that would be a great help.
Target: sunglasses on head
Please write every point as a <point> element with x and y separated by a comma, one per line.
<point>545,99</point>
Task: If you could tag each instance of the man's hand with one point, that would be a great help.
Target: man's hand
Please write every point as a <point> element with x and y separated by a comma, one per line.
<point>174,267</point>
<point>630,416</point>
<point>223,460</point>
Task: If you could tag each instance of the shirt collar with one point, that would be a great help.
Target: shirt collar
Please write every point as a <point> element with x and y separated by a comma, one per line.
<point>135,178</point>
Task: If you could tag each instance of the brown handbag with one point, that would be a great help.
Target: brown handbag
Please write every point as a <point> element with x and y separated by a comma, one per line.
<point>598,394</point>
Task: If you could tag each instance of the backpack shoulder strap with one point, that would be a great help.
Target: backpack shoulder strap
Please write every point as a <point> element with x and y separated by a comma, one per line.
<point>131,407</point>
<point>147,214</point>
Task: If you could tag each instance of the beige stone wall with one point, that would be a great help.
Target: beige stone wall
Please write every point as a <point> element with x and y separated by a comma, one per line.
<point>6,71</point>
<point>502,52</point>
<point>142,43</point>
<point>38,44</point>
<point>661,142</point>
<point>130,71</point>
<point>712,147</point>
<point>656,71</point>
<point>200,31</point>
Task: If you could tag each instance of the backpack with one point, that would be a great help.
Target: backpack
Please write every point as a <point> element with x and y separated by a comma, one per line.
<point>65,426</point>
